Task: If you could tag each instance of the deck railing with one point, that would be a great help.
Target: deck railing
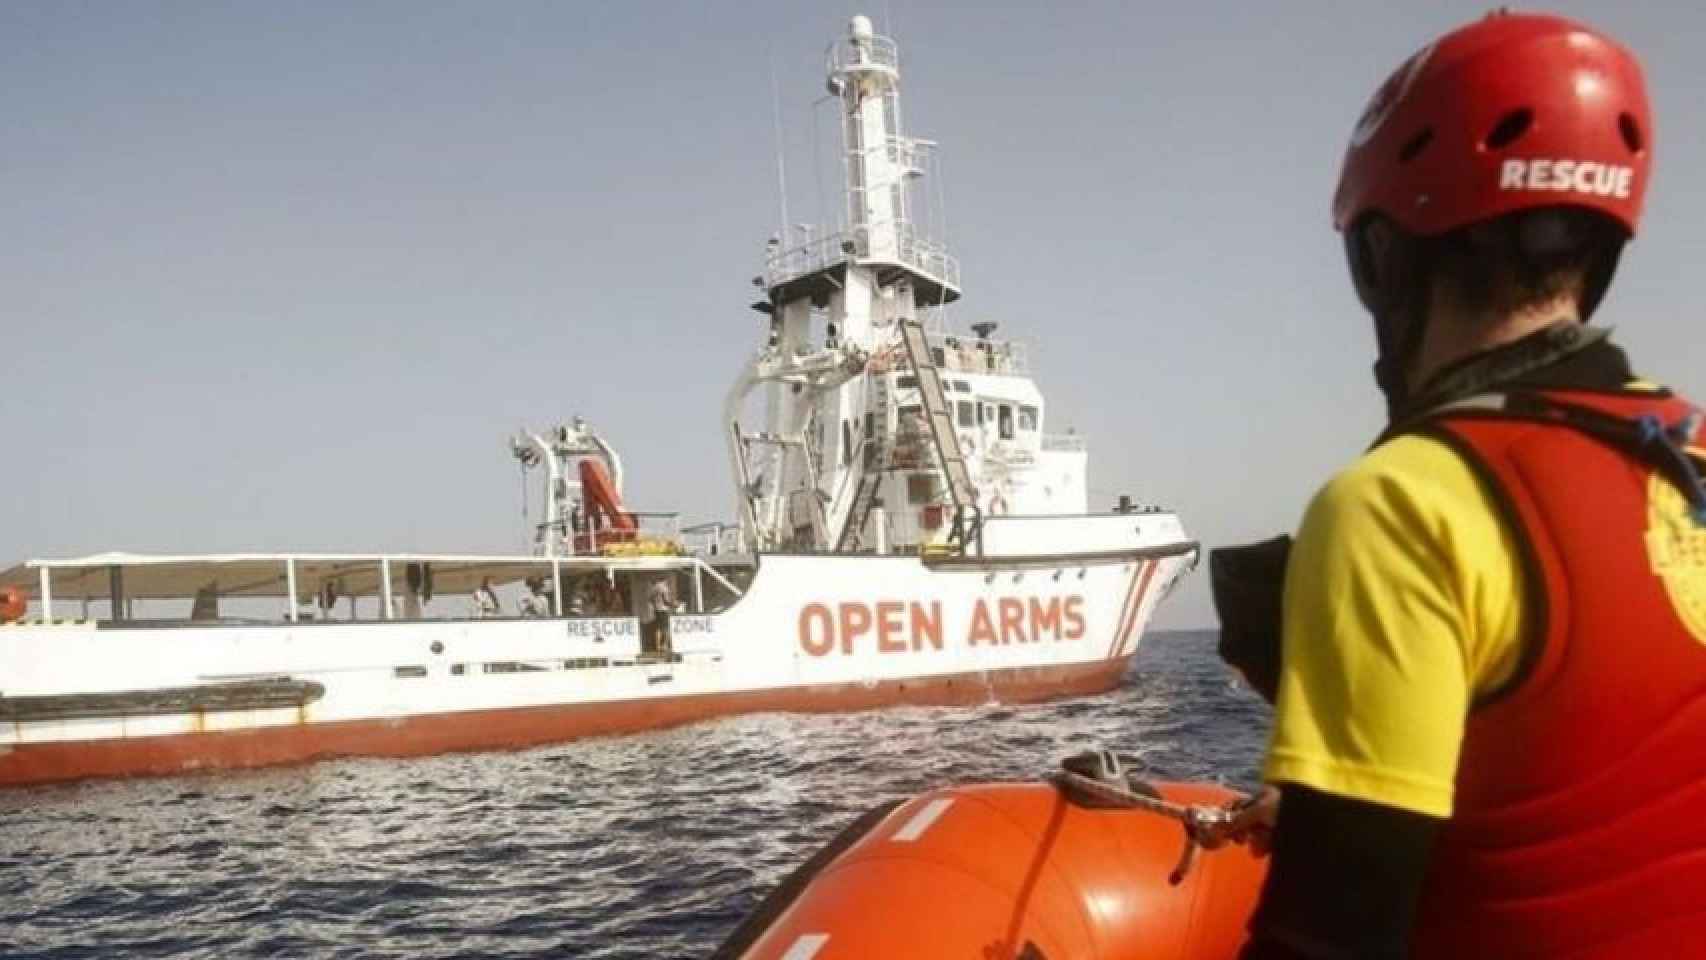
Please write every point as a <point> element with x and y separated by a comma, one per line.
<point>866,53</point>
<point>713,539</point>
<point>958,354</point>
<point>657,532</point>
<point>892,242</point>
<point>962,354</point>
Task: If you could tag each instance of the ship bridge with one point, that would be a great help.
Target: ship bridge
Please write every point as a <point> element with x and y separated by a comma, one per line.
<point>817,268</point>
<point>882,429</point>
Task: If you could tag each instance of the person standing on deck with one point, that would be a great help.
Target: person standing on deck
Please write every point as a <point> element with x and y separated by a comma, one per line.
<point>486,599</point>
<point>659,604</point>
<point>537,601</point>
<point>1490,725</point>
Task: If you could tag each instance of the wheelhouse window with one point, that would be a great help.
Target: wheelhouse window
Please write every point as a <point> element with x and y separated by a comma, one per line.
<point>1028,418</point>
<point>1004,421</point>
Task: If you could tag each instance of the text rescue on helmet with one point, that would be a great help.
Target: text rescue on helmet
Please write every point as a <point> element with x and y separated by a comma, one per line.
<point>1575,176</point>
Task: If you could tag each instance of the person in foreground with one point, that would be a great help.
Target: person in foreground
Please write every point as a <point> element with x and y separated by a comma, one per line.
<point>1490,722</point>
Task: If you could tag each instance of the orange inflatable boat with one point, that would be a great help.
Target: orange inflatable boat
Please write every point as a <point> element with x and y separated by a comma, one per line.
<point>1028,871</point>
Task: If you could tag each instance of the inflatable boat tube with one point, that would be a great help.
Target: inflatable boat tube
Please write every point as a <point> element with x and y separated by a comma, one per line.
<point>1010,872</point>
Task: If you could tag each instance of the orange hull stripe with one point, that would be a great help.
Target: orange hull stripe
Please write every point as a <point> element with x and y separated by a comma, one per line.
<point>1125,606</point>
<point>1137,607</point>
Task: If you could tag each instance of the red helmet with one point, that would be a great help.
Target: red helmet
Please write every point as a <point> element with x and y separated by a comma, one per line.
<point>1510,113</point>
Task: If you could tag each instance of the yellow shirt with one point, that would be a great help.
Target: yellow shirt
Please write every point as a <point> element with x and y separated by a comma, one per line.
<point>1403,602</point>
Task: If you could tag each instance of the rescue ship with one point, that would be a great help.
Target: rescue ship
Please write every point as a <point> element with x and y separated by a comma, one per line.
<point>908,532</point>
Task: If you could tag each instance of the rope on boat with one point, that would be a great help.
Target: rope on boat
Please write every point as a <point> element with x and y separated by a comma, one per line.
<point>1098,774</point>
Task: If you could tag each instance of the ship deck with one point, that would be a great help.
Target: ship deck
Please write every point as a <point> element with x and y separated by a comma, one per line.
<point>119,579</point>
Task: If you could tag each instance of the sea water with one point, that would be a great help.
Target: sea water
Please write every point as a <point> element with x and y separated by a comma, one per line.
<point>642,846</point>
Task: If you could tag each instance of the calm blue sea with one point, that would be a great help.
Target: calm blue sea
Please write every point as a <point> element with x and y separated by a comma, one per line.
<point>627,847</point>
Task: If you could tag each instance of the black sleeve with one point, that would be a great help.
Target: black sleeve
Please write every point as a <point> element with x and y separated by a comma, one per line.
<point>1344,879</point>
<point>1248,583</point>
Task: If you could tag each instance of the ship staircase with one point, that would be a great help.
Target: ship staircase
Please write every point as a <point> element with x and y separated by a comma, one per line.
<point>809,501</point>
<point>873,462</point>
<point>968,518</point>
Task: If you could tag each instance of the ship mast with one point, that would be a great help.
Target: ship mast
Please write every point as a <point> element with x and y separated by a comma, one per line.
<point>835,303</point>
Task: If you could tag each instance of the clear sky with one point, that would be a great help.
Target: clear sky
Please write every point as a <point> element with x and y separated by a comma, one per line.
<point>285,276</point>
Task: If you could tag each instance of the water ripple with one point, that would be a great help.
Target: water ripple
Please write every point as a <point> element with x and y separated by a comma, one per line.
<point>608,849</point>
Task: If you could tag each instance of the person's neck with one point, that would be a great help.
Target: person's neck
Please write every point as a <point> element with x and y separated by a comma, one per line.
<point>1454,334</point>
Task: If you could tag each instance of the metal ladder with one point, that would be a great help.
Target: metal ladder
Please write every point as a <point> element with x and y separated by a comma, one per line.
<point>853,531</point>
<point>942,432</point>
<point>819,521</point>
<point>872,462</point>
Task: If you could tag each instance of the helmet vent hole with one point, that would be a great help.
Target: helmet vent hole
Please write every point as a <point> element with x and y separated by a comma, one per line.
<point>1509,128</point>
<point>1631,130</point>
<point>1415,145</point>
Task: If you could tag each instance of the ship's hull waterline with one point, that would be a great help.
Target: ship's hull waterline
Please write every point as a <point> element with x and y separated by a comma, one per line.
<point>522,727</point>
<point>811,634</point>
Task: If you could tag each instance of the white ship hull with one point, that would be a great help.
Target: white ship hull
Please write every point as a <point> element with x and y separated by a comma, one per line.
<point>812,633</point>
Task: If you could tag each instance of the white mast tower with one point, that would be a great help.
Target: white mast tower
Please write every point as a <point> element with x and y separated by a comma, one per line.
<point>840,307</point>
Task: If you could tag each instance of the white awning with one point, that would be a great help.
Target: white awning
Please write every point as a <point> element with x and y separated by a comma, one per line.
<point>153,576</point>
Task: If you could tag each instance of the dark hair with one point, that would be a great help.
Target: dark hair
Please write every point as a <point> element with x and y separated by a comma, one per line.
<point>1502,265</point>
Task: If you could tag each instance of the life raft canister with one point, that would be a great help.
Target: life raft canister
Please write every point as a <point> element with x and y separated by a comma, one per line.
<point>1008,872</point>
<point>13,604</point>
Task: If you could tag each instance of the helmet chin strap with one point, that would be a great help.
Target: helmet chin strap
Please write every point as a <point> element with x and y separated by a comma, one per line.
<point>1599,277</point>
<point>1392,272</point>
<point>1391,367</point>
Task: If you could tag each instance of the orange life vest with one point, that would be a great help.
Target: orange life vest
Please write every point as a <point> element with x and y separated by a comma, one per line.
<point>1580,818</point>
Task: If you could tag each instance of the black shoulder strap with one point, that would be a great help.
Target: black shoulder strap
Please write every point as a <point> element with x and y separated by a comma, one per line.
<point>1645,438</point>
